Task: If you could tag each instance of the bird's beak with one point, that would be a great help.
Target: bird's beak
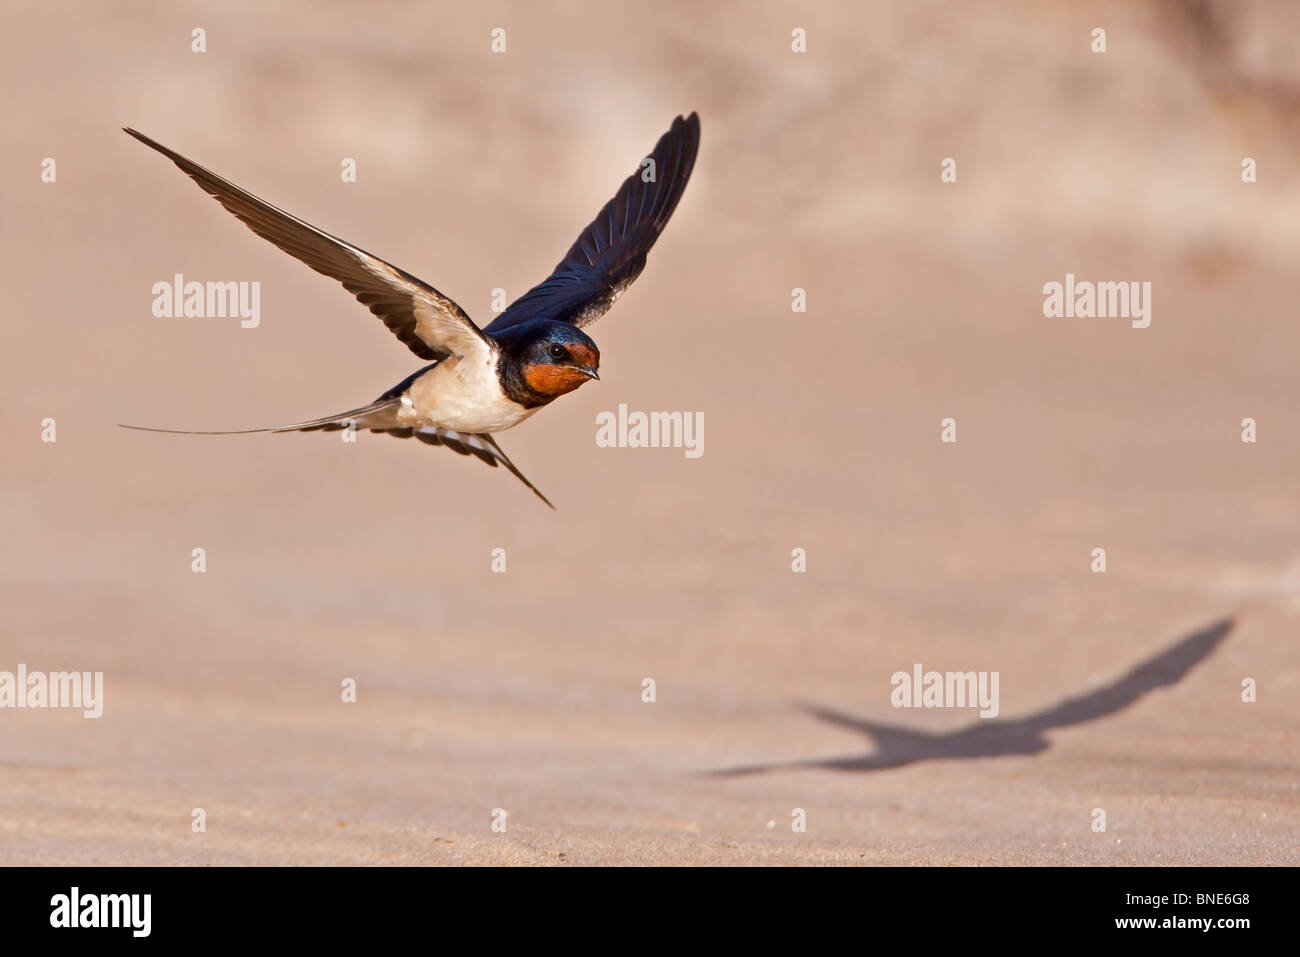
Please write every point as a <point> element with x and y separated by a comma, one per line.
<point>589,372</point>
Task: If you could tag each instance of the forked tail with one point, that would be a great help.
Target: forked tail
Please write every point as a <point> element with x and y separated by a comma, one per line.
<point>381,416</point>
<point>366,417</point>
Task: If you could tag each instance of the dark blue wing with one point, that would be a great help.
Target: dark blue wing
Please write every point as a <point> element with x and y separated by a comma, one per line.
<point>611,252</point>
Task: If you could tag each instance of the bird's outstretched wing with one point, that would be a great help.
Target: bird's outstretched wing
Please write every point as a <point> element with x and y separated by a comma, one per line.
<point>431,325</point>
<point>611,252</point>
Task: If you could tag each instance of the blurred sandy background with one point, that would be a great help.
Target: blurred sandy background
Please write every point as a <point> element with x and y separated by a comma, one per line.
<point>522,690</point>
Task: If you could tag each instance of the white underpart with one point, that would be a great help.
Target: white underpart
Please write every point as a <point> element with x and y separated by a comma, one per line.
<point>463,394</point>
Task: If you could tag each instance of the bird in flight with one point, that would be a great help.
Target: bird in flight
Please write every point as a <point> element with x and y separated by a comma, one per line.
<point>479,381</point>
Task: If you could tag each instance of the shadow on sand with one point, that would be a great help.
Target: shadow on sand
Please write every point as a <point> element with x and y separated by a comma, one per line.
<point>897,746</point>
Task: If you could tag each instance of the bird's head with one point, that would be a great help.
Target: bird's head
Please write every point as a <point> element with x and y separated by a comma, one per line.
<point>557,358</point>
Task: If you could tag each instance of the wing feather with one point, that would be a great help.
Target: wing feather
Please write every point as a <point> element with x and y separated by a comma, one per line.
<point>430,324</point>
<point>611,252</point>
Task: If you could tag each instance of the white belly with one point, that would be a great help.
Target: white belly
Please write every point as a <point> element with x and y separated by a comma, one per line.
<point>463,395</point>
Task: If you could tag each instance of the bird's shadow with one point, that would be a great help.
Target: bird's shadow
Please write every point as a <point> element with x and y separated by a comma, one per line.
<point>896,746</point>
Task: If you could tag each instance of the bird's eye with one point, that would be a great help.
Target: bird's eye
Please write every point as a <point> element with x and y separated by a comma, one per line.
<point>556,351</point>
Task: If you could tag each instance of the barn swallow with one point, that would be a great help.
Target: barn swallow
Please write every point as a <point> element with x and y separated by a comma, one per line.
<point>479,381</point>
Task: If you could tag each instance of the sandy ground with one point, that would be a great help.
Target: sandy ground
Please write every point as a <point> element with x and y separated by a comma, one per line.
<point>522,690</point>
